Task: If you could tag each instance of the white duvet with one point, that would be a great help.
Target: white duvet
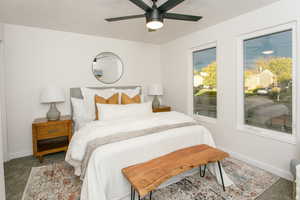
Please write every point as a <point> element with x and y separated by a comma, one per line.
<point>103,179</point>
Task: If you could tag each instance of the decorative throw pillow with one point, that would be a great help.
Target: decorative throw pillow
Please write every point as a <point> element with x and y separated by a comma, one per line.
<point>89,98</point>
<point>80,114</point>
<point>125,99</point>
<point>129,92</point>
<point>114,99</point>
<point>119,112</point>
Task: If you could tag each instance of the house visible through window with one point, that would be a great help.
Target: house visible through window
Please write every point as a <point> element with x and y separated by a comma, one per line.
<point>268,81</point>
<point>205,82</point>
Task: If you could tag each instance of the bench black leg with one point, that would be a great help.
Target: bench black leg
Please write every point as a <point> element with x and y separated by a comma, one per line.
<point>133,196</point>
<point>221,175</point>
<point>202,174</point>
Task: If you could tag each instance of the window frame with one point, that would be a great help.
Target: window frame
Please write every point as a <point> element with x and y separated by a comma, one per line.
<point>271,134</point>
<point>190,89</point>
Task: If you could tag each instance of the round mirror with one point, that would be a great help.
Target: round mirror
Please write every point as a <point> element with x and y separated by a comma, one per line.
<point>107,67</point>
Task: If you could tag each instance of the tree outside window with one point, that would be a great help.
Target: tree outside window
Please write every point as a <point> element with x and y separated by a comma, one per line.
<point>205,82</point>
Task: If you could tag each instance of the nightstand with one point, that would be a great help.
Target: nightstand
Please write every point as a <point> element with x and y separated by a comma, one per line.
<point>162,109</point>
<point>50,136</point>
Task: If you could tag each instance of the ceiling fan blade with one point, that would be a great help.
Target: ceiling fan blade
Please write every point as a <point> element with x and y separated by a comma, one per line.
<point>141,4</point>
<point>182,17</point>
<point>125,18</point>
<point>169,5</point>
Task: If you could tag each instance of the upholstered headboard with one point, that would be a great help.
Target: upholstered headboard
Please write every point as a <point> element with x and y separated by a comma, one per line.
<point>76,92</point>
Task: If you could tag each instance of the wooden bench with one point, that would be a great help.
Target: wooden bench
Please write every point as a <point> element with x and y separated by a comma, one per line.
<point>146,177</point>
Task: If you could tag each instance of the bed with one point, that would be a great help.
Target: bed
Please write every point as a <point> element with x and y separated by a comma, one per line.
<point>139,139</point>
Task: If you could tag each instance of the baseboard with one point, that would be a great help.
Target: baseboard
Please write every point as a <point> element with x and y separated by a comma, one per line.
<point>6,159</point>
<point>277,171</point>
<point>19,154</point>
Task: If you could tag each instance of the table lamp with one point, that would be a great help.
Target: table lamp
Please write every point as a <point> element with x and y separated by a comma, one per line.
<point>52,95</point>
<point>155,90</point>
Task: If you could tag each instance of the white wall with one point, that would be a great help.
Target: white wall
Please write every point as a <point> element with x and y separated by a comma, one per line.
<point>36,57</point>
<point>2,187</point>
<point>2,95</point>
<point>269,154</point>
<point>1,31</point>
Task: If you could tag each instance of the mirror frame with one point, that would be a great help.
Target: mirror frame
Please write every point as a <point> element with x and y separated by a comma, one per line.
<point>116,56</point>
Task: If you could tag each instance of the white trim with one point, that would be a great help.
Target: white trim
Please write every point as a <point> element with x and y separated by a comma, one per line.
<point>2,138</point>
<point>19,154</point>
<point>276,135</point>
<point>205,119</point>
<point>3,101</point>
<point>190,99</point>
<point>274,170</point>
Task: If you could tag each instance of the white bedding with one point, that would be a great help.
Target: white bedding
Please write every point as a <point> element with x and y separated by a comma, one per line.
<point>103,179</point>
<point>115,111</point>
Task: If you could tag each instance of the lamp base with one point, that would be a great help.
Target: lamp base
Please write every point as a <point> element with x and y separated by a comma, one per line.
<point>155,102</point>
<point>53,114</point>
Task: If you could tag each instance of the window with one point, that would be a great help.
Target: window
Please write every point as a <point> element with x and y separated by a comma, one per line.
<point>268,81</point>
<point>205,82</point>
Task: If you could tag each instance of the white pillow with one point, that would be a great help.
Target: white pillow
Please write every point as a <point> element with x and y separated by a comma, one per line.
<point>80,113</point>
<point>89,98</point>
<point>112,111</point>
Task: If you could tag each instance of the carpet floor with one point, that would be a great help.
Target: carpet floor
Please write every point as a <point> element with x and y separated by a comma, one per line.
<point>249,186</point>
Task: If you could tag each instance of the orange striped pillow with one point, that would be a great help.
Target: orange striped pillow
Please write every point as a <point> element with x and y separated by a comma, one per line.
<point>125,99</point>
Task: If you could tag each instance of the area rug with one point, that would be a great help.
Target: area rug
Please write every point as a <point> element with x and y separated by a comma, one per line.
<point>57,182</point>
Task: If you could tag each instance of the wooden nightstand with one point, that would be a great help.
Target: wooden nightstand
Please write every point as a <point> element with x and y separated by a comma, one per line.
<point>50,136</point>
<point>162,109</point>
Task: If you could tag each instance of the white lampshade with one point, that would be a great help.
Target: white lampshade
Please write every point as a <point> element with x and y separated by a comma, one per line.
<point>52,95</point>
<point>155,89</point>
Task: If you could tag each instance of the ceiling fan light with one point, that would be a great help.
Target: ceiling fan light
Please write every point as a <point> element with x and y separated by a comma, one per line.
<point>154,24</point>
<point>267,47</point>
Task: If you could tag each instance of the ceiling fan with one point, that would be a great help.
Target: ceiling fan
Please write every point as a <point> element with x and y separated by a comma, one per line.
<point>155,15</point>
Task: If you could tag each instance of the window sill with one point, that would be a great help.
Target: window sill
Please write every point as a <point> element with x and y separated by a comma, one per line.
<point>205,119</point>
<point>274,135</point>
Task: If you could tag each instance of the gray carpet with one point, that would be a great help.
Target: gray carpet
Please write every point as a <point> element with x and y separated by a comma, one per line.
<point>17,172</point>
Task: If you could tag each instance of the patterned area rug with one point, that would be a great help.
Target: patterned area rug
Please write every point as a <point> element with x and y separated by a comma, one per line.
<point>56,181</point>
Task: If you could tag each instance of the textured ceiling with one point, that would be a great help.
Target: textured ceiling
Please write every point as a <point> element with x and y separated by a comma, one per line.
<point>87,16</point>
